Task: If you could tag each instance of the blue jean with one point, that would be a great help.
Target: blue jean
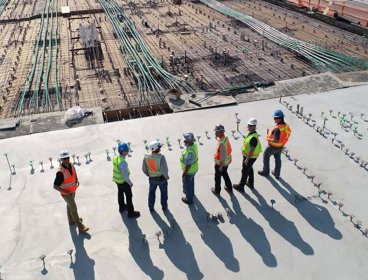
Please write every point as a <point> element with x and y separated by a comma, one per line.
<point>188,186</point>
<point>272,151</point>
<point>153,184</point>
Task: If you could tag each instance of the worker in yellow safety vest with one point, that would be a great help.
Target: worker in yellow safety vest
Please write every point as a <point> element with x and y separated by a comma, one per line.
<point>155,167</point>
<point>222,159</point>
<point>251,149</point>
<point>189,165</point>
<point>66,182</point>
<point>121,176</point>
<point>276,138</point>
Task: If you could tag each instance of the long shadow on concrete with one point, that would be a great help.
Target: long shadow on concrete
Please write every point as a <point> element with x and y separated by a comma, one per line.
<point>140,251</point>
<point>251,232</point>
<point>178,250</point>
<point>213,237</point>
<point>285,228</point>
<point>83,265</point>
<point>316,215</point>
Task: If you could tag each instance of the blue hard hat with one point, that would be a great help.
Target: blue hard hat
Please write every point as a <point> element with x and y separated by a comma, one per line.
<point>123,147</point>
<point>278,114</point>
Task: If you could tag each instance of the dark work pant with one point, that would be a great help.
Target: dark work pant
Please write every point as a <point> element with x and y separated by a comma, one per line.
<point>223,173</point>
<point>247,172</point>
<point>125,189</point>
<point>153,184</point>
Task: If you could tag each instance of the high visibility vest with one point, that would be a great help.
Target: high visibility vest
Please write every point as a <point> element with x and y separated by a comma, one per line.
<point>246,146</point>
<point>226,142</point>
<point>285,133</point>
<point>191,149</point>
<point>117,177</point>
<point>70,180</point>
<point>153,162</point>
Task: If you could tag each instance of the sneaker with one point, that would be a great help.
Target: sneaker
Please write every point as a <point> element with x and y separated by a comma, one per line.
<point>273,173</point>
<point>213,190</point>
<point>134,214</point>
<point>185,200</point>
<point>229,190</point>
<point>262,173</point>
<point>238,187</point>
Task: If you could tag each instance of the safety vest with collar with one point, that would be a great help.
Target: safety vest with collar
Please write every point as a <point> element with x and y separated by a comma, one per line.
<point>153,162</point>
<point>70,180</point>
<point>117,177</point>
<point>226,142</point>
<point>246,146</point>
<point>191,149</point>
<point>285,133</point>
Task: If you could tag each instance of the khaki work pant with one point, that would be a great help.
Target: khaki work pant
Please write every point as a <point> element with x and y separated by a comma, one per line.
<point>71,208</point>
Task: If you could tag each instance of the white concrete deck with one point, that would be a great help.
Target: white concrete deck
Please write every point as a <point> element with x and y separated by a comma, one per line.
<point>310,239</point>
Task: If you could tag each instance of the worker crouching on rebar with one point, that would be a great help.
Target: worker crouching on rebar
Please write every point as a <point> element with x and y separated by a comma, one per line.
<point>66,182</point>
<point>222,159</point>
<point>155,167</point>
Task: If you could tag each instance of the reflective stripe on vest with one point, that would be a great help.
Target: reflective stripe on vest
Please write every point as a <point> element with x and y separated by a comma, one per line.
<point>246,146</point>
<point>70,180</point>
<point>153,163</point>
<point>228,159</point>
<point>285,133</point>
<point>191,149</point>
<point>117,177</point>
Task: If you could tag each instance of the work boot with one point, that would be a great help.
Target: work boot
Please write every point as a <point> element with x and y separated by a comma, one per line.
<point>250,185</point>
<point>262,173</point>
<point>185,200</point>
<point>238,187</point>
<point>273,173</point>
<point>213,190</point>
<point>134,214</point>
<point>82,227</point>
<point>229,190</point>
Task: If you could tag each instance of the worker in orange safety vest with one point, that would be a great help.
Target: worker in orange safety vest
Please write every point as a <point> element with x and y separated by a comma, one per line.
<point>222,159</point>
<point>155,167</point>
<point>66,182</point>
<point>276,138</point>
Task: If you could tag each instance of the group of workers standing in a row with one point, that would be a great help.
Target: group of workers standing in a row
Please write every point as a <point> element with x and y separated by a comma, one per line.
<point>155,167</point>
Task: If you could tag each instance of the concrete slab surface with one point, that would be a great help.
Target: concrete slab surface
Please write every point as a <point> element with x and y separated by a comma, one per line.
<point>298,238</point>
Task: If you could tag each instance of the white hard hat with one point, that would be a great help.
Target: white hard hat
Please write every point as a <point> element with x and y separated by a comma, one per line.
<point>252,121</point>
<point>64,154</point>
<point>154,145</point>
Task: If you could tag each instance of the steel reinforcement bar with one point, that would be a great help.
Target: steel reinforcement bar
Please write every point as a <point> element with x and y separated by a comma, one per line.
<point>321,58</point>
<point>151,78</point>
